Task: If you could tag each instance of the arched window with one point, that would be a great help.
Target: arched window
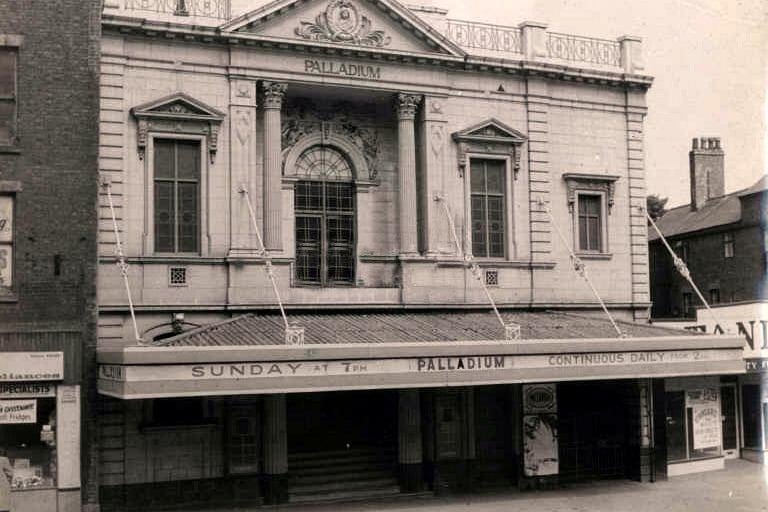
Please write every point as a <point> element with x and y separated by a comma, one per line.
<point>325,217</point>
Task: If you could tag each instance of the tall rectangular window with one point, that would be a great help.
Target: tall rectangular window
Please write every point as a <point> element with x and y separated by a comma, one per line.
<point>8,88</point>
<point>177,195</point>
<point>688,304</point>
<point>488,187</point>
<point>325,232</point>
<point>728,245</point>
<point>590,222</point>
<point>714,296</point>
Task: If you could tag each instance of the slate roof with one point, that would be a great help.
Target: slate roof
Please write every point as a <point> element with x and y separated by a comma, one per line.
<point>393,327</point>
<point>719,211</point>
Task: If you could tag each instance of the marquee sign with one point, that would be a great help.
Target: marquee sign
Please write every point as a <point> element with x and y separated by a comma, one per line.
<point>136,381</point>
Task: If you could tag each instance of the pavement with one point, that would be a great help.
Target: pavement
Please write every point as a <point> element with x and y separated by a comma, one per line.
<point>741,487</point>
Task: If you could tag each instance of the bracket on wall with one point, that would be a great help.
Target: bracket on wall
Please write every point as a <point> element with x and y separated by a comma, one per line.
<point>178,113</point>
<point>591,183</point>
<point>491,137</point>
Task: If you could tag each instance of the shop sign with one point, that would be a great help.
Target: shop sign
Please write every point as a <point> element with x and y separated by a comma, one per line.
<point>18,411</point>
<point>31,366</point>
<point>27,389</point>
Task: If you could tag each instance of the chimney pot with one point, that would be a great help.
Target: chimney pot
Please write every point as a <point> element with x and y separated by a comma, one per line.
<point>695,143</point>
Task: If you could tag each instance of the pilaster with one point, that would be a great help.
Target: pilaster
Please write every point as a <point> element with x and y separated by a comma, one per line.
<point>434,231</point>
<point>540,181</point>
<point>409,456</point>
<point>242,128</point>
<point>635,114</point>
<point>275,450</point>
<point>407,106</point>
<point>273,94</point>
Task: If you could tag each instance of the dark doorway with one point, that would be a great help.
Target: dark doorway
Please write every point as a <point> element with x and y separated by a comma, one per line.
<point>494,436</point>
<point>728,405</point>
<point>750,406</point>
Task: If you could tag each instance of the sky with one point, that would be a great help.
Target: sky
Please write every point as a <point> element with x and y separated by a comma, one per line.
<point>708,58</point>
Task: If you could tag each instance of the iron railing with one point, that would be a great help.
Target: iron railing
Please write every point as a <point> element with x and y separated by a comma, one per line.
<point>218,9</point>
<point>484,36</point>
<point>584,49</point>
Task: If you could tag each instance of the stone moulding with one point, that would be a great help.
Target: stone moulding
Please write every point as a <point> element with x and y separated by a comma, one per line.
<point>489,137</point>
<point>342,22</point>
<point>178,113</point>
<point>590,182</point>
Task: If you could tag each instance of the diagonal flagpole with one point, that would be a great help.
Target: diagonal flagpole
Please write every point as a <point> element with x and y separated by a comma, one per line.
<point>293,333</point>
<point>580,267</point>
<point>511,331</point>
<point>681,267</point>
<point>120,256</point>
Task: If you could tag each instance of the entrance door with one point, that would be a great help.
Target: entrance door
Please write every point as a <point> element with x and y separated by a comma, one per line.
<point>750,409</point>
<point>728,412</point>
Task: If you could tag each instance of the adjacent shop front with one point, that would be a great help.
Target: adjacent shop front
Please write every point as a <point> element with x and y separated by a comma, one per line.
<point>39,432</point>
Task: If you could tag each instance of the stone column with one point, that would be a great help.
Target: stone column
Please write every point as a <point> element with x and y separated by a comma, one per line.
<point>409,454</point>
<point>407,104</point>
<point>273,95</point>
<point>275,450</point>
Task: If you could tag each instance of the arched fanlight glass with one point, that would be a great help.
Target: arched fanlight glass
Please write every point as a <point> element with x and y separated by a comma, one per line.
<point>323,163</point>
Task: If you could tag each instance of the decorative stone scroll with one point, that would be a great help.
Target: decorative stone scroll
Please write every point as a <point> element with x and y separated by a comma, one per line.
<point>178,113</point>
<point>342,22</point>
<point>591,183</point>
<point>491,137</point>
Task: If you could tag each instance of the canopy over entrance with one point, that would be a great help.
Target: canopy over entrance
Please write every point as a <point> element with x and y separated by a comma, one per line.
<point>246,355</point>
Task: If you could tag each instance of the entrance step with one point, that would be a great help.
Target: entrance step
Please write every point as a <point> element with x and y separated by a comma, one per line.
<point>340,475</point>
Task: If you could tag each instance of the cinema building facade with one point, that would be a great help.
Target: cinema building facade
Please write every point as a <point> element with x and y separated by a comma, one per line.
<point>401,169</point>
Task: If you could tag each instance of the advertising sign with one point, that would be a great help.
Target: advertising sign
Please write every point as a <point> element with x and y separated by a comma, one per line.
<point>18,411</point>
<point>31,366</point>
<point>706,426</point>
<point>27,389</point>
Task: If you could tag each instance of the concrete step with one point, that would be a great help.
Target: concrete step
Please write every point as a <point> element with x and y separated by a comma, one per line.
<point>336,454</point>
<point>336,476</point>
<point>348,495</point>
<point>337,486</point>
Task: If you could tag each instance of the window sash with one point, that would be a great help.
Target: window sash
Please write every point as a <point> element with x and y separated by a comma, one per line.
<point>177,196</point>
<point>8,93</point>
<point>729,245</point>
<point>488,207</point>
<point>325,232</point>
<point>590,220</point>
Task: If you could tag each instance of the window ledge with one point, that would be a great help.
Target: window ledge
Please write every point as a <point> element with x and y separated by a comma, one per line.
<point>10,149</point>
<point>500,264</point>
<point>594,255</point>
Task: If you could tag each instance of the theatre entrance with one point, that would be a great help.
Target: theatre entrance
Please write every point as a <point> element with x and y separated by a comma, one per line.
<point>342,445</point>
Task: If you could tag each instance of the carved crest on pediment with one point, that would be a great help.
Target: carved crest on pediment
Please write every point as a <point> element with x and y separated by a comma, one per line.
<point>342,22</point>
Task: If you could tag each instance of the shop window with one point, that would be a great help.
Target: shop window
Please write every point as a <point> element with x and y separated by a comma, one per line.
<point>8,99</point>
<point>729,245</point>
<point>488,199</point>
<point>325,218</point>
<point>694,428</point>
<point>6,241</point>
<point>714,296</point>
<point>27,440</point>
<point>177,195</point>
<point>176,412</point>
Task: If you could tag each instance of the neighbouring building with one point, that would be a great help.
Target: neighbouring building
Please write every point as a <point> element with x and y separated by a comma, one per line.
<point>49,111</point>
<point>722,239</point>
<point>401,168</point>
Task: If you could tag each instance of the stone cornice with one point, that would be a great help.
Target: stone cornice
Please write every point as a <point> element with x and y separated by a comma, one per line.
<point>207,35</point>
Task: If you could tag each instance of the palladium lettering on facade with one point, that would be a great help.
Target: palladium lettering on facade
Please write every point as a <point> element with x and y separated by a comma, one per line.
<point>324,67</point>
<point>433,364</point>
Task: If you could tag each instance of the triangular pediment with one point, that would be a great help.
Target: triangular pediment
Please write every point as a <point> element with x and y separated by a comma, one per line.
<point>490,130</point>
<point>178,105</point>
<point>380,24</point>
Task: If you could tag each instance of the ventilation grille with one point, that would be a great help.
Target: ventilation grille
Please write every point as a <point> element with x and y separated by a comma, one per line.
<point>491,277</point>
<point>177,276</point>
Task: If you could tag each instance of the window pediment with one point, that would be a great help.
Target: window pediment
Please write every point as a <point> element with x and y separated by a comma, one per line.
<point>489,137</point>
<point>178,114</point>
<point>590,182</point>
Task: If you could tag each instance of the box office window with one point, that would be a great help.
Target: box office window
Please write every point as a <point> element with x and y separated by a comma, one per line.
<point>488,187</point>
<point>28,442</point>
<point>177,195</point>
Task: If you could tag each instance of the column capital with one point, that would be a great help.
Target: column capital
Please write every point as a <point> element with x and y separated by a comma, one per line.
<point>407,104</point>
<point>273,94</point>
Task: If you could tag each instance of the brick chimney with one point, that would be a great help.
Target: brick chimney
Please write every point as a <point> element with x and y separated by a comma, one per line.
<point>707,170</point>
